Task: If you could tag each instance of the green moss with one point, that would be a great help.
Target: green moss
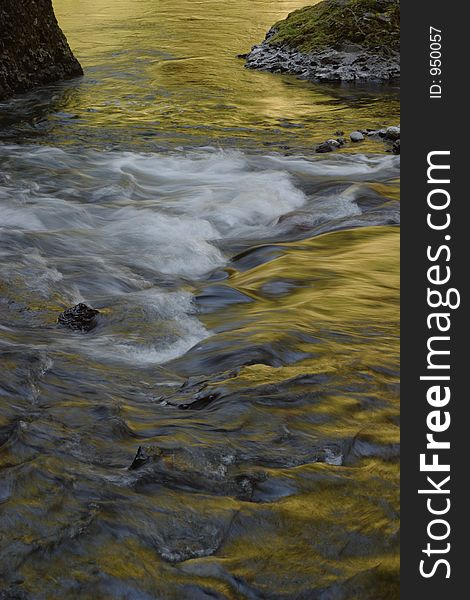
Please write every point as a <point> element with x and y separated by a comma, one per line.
<point>374,24</point>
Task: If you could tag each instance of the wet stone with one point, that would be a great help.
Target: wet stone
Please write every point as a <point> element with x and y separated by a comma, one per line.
<point>396,147</point>
<point>79,318</point>
<point>324,147</point>
<point>356,136</point>
<point>393,133</point>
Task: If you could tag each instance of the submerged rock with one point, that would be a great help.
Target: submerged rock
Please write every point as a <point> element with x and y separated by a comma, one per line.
<point>79,318</point>
<point>334,40</point>
<point>196,468</point>
<point>33,49</point>
<point>143,455</point>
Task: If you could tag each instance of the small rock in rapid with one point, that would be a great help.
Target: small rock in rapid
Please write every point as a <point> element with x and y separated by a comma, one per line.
<point>79,318</point>
<point>396,147</point>
<point>356,136</point>
<point>339,132</point>
<point>393,133</point>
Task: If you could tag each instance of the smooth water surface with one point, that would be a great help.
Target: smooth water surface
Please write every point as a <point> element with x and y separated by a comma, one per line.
<point>161,73</point>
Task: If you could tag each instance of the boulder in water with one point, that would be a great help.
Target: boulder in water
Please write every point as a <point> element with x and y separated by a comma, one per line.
<point>33,49</point>
<point>79,318</point>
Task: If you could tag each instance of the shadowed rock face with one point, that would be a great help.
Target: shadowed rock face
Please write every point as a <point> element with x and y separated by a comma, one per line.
<point>33,49</point>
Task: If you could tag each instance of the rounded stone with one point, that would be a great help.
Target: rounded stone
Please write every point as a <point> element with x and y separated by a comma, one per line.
<point>356,136</point>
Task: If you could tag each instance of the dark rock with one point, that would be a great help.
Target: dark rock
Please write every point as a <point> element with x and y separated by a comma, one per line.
<point>324,147</point>
<point>393,133</point>
<point>326,65</point>
<point>79,318</point>
<point>396,147</point>
<point>144,455</point>
<point>33,49</point>
<point>247,483</point>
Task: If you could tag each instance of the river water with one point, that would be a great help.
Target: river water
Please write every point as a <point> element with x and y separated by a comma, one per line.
<point>248,331</point>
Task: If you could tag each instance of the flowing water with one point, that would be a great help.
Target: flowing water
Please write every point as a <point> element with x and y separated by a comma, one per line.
<point>248,331</point>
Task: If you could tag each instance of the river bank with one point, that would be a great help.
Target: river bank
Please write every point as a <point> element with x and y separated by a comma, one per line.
<point>334,40</point>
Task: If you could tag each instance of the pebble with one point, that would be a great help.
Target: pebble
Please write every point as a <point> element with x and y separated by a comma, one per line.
<point>356,136</point>
<point>389,134</point>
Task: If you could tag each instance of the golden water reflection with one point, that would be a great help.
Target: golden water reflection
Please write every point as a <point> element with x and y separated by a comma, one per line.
<point>168,70</point>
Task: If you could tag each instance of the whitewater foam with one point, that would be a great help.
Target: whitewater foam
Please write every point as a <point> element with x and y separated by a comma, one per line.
<point>113,228</point>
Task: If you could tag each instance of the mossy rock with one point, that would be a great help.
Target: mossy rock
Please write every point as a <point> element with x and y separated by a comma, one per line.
<point>372,24</point>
